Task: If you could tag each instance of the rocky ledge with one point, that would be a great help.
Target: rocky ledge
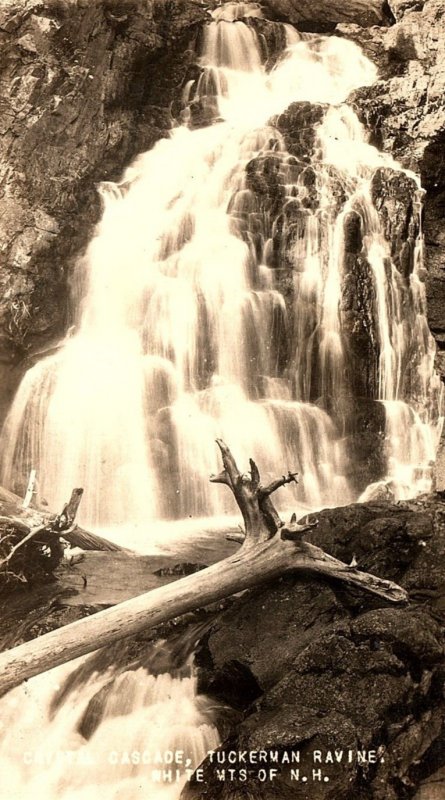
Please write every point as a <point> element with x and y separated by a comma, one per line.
<point>311,667</point>
<point>303,665</point>
<point>405,111</point>
<point>323,15</point>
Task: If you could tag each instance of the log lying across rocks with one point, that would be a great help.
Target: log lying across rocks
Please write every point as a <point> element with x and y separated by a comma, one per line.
<point>30,542</point>
<point>269,550</point>
<point>26,518</point>
<point>62,523</point>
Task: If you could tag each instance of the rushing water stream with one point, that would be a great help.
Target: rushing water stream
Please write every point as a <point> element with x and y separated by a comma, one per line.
<point>189,330</point>
<point>124,736</point>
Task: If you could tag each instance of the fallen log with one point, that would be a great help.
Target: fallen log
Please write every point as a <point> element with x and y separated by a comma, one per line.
<point>62,523</point>
<point>31,547</point>
<point>270,549</point>
<point>29,517</point>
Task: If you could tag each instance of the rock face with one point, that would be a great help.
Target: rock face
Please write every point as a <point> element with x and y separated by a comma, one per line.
<point>394,194</point>
<point>313,667</point>
<point>325,14</point>
<point>84,87</point>
<point>400,7</point>
<point>406,113</point>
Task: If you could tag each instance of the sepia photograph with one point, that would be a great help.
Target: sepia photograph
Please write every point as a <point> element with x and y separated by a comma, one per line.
<point>222,366</point>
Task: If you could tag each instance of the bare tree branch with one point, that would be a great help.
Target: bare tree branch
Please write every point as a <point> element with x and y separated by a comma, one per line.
<point>291,477</point>
<point>62,523</point>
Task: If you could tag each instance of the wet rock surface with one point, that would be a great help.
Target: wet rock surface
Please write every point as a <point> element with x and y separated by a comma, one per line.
<point>84,88</point>
<point>298,126</point>
<point>358,314</point>
<point>406,113</point>
<point>323,15</point>
<point>396,197</point>
<point>312,666</point>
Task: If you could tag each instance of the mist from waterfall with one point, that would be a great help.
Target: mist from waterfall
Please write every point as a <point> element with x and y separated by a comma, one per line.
<point>187,331</point>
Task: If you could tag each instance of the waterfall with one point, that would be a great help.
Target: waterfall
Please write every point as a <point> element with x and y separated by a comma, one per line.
<point>407,384</point>
<point>240,284</point>
<point>122,736</point>
<point>214,304</point>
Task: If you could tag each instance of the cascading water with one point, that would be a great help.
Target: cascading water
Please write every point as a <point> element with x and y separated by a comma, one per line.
<point>407,384</point>
<point>216,304</point>
<point>123,736</point>
<point>186,332</point>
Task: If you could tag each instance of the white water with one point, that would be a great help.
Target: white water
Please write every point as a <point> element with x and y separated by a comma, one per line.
<point>145,723</point>
<point>181,331</point>
<point>180,340</point>
<point>408,386</point>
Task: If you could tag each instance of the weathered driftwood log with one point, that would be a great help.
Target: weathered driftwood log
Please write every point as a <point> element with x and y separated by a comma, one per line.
<point>30,546</point>
<point>27,518</point>
<point>270,549</point>
<point>62,523</point>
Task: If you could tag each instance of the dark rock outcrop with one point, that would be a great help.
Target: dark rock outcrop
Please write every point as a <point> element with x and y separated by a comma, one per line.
<point>298,126</point>
<point>406,114</point>
<point>323,15</point>
<point>358,315</point>
<point>367,436</point>
<point>395,195</point>
<point>324,669</point>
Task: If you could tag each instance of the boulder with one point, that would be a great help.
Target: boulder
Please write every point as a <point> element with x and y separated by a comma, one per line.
<point>322,15</point>
<point>315,668</point>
